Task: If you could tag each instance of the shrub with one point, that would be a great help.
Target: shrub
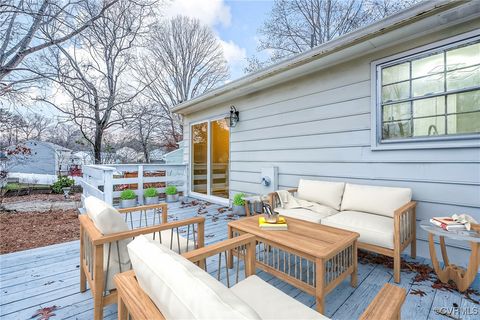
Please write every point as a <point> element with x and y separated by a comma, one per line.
<point>62,182</point>
<point>127,194</point>
<point>171,190</point>
<point>237,199</point>
<point>150,192</point>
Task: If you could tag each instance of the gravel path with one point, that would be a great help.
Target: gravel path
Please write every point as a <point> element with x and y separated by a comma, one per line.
<point>41,206</point>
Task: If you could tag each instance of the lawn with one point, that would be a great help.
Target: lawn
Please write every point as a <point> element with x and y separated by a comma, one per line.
<point>21,186</point>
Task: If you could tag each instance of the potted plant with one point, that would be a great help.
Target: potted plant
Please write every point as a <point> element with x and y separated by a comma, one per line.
<point>238,204</point>
<point>171,194</point>
<point>128,199</point>
<point>151,196</point>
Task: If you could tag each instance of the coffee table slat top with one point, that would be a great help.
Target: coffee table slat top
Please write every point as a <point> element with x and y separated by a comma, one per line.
<point>311,238</point>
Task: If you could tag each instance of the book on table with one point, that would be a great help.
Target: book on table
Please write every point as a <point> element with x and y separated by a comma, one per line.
<point>280,225</point>
<point>447,223</point>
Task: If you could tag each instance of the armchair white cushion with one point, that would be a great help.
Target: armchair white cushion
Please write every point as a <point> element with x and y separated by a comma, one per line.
<point>166,239</point>
<point>323,192</point>
<point>105,217</point>
<point>181,289</point>
<point>373,229</point>
<point>271,303</point>
<point>373,199</point>
<point>108,220</point>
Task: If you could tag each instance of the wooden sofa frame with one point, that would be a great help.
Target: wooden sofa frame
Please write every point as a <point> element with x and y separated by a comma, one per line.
<point>92,243</point>
<point>404,224</point>
<point>134,303</point>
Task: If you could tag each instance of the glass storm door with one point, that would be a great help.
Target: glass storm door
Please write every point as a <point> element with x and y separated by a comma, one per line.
<point>210,158</point>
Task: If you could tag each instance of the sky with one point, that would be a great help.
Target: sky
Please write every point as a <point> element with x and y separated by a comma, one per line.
<point>235,22</point>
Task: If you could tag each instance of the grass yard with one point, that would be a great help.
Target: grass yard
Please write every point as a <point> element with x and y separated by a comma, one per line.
<point>13,186</point>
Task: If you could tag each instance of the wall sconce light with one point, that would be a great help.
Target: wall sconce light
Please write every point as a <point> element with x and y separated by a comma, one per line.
<point>234,117</point>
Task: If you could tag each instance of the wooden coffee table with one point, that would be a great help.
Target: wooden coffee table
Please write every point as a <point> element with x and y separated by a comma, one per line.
<point>309,256</point>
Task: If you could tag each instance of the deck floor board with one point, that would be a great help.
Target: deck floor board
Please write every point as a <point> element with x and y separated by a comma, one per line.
<point>47,276</point>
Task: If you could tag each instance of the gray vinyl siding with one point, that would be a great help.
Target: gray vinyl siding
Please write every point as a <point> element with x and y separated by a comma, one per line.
<point>41,161</point>
<point>318,127</point>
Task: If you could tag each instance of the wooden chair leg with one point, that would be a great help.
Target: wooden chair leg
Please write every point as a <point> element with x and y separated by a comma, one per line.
<point>396,265</point>
<point>122,310</point>
<point>98,307</point>
<point>413,248</point>
<point>98,283</point>
<point>83,280</point>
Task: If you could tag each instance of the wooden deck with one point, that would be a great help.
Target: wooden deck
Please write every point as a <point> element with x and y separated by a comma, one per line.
<point>43,277</point>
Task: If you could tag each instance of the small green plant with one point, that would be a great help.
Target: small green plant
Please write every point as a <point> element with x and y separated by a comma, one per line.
<point>62,182</point>
<point>238,199</point>
<point>171,190</point>
<point>150,193</point>
<point>127,194</point>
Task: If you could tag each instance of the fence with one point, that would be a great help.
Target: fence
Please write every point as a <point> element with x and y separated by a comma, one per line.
<point>106,182</point>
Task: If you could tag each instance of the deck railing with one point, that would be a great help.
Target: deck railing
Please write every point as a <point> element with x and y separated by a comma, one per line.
<point>106,182</point>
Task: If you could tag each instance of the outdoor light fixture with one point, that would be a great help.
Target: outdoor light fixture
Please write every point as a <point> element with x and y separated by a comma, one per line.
<point>234,117</point>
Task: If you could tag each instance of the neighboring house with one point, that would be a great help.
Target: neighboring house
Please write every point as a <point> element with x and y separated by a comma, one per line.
<point>175,156</point>
<point>83,158</point>
<point>396,103</point>
<point>46,159</point>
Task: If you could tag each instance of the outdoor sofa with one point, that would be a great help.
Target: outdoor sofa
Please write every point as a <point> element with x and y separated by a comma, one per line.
<point>383,216</point>
<point>104,236</point>
<point>165,285</point>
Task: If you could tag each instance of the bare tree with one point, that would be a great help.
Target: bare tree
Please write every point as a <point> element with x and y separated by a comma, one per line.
<point>146,127</point>
<point>66,135</point>
<point>9,128</point>
<point>94,72</point>
<point>33,126</point>
<point>29,26</point>
<point>184,59</point>
<point>295,26</point>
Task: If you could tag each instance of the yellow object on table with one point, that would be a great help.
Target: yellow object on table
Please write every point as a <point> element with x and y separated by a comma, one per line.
<point>281,224</point>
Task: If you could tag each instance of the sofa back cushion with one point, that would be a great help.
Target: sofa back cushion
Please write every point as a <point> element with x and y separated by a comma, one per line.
<point>108,220</point>
<point>180,289</point>
<point>373,199</point>
<point>324,192</point>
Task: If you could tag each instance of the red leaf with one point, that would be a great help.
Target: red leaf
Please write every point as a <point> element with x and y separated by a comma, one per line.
<point>45,313</point>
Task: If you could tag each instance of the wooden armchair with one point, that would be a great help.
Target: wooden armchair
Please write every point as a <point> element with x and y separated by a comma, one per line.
<point>134,303</point>
<point>97,252</point>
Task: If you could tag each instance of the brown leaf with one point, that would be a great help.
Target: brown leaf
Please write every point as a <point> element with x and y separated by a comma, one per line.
<point>418,292</point>
<point>45,313</point>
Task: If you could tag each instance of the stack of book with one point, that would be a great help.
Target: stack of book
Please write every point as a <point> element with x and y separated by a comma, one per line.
<point>281,224</point>
<point>448,224</point>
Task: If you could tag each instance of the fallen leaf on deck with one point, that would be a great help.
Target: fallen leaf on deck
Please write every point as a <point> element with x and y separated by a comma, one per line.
<point>45,313</point>
<point>418,292</point>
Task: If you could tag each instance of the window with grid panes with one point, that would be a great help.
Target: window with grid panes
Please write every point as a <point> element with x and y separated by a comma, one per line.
<point>435,93</point>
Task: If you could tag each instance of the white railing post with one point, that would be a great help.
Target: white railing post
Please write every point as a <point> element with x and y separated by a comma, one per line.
<point>140,184</point>
<point>108,186</point>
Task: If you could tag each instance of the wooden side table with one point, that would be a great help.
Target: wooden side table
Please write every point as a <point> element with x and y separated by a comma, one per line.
<point>462,277</point>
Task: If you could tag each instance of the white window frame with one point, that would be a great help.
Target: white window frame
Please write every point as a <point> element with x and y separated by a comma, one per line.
<point>208,196</point>
<point>443,141</point>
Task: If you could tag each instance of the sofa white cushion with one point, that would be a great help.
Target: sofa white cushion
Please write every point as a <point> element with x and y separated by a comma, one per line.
<point>314,214</point>
<point>271,303</point>
<point>374,199</point>
<point>324,192</point>
<point>108,220</point>
<point>373,229</point>
<point>180,289</point>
